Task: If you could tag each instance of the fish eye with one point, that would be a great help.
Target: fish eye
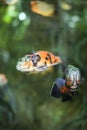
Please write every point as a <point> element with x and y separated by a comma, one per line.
<point>20,59</point>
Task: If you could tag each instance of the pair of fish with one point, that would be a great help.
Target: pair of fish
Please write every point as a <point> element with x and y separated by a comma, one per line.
<point>66,88</point>
<point>38,61</point>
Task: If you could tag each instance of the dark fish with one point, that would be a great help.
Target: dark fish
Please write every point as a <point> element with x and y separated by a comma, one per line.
<point>67,87</point>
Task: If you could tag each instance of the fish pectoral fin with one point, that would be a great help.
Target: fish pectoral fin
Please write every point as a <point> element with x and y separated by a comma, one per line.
<point>41,68</point>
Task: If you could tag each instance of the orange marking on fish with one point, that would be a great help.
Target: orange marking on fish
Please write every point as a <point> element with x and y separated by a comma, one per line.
<point>65,90</point>
<point>51,59</point>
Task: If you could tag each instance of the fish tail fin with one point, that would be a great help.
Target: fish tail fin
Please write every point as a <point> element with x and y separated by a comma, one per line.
<point>59,59</point>
<point>55,91</point>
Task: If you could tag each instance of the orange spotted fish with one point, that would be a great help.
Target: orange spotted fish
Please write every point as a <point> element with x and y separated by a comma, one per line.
<point>37,61</point>
<point>42,8</point>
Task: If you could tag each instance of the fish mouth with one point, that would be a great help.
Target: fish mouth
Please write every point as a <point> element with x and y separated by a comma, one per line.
<point>22,69</point>
<point>74,87</point>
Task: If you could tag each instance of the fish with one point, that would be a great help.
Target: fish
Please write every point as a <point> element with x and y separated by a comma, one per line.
<point>66,88</point>
<point>38,61</point>
<point>42,8</point>
<point>3,80</point>
<point>65,5</point>
<point>7,103</point>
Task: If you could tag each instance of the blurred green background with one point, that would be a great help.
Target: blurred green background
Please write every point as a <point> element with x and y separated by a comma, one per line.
<point>64,34</point>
